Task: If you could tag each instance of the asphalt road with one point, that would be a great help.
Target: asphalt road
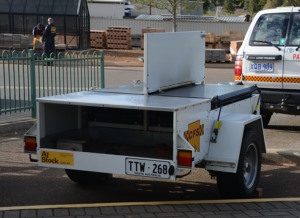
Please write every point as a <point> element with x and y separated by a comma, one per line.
<point>23,183</point>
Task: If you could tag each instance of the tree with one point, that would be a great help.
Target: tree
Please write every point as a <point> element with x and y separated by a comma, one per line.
<point>206,4</point>
<point>273,3</point>
<point>252,6</point>
<point>238,3</point>
<point>172,6</point>
<point>228,6</point>
<point>292,2</point>
<point>217,2</point>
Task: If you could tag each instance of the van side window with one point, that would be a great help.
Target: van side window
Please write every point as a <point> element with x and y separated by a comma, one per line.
<point>294,33</point>
<point>270,29</point>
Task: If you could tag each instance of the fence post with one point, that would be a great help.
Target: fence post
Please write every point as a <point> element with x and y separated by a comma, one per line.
<point>32,83</point>
<point>102,69</point>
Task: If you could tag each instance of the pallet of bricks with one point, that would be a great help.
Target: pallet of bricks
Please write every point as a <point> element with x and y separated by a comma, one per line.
<point>215,55</point>
<point>149,30</point>
<point>119,37</point>
<point>98,39</point>
<point>233,40</point>
<point>15,41</point>
<point>211,40</point>
<point>231,35</point>
<point>213,49</point>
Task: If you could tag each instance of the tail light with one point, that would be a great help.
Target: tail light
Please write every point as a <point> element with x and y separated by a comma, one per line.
<point>185,158</point>
<point>238,67</point>
<point>30,144</point>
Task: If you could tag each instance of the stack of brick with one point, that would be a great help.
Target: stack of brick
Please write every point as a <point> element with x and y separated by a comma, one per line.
<point>27,41</point>
<point>212,41</point>
<point>98,39</point>
<point>235,46</point>
<point>231,35</point>
<point>15,41</point>
<point>149,30</point>
<point>215,55</point>
<point>2,44</point>
<point>119,37</point>
<point>7,41</point>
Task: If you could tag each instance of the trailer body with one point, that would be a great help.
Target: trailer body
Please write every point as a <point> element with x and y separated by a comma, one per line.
<point>160,128</point>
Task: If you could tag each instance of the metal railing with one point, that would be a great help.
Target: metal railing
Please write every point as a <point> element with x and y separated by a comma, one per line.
<point>25,76</point>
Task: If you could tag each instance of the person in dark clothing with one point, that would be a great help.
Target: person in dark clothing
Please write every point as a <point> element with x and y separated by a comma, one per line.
<point>48,37</point>
<point>37,33</point>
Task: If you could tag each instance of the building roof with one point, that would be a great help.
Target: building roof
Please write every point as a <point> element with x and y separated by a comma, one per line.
<point>107,1</point>
<point>49,7</point>
<point>193,18</point>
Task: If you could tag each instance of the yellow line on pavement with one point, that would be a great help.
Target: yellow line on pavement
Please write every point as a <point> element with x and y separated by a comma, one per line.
<point>152,203</point>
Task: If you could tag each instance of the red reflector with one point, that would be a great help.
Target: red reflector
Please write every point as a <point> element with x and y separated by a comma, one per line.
<point>30,144</point>
<point>238,66</point>
<point>185,158</point>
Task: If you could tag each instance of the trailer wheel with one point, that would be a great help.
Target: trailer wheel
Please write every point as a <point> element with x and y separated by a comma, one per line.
<point>243,183</point>
<point>86,177</point>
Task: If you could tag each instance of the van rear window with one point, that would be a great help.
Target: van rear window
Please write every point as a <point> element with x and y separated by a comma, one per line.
<point>270,29</point>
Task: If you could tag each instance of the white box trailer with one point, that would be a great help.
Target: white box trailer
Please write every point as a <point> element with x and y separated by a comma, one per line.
<point>161,128</point>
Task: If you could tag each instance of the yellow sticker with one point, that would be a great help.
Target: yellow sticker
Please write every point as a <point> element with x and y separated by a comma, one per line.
<point>218,125</point>
<point>192,135</point>
<point>53,30</point>
<point>62,158</point>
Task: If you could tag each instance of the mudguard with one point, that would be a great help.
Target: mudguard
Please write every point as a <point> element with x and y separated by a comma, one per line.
<point>223,155</point>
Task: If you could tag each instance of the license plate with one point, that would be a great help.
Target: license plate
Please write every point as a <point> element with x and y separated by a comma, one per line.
<point>148,168</point>
<point>261,67</point>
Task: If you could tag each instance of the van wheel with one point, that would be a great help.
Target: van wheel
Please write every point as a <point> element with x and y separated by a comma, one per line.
<point>243,183</point>
<point>86,177</point>
<point>266,117</point>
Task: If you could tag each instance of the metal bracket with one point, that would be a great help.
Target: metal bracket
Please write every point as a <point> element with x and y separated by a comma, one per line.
<point>32,159</point>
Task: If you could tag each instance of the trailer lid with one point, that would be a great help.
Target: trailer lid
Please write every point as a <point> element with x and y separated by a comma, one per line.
<point>173,60</point>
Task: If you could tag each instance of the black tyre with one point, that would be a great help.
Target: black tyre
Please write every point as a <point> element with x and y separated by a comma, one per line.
<point>243,183</point>
<point>266,117</point>
<point>85,177</point>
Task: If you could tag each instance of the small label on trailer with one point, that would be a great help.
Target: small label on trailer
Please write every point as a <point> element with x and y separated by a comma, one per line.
<point>148,168</point>
<point>62,158</point>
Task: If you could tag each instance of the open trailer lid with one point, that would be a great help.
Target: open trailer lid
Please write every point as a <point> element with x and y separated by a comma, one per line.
<point>173,60</point>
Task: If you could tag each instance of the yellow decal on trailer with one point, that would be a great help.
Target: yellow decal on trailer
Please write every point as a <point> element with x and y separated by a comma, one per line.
<point>193,134</point>
<point>62,158</point>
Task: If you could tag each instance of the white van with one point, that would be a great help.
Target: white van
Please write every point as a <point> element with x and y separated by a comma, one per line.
<point>270,58</point>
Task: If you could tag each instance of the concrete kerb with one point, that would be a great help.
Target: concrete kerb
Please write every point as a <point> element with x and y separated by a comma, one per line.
<point>11,127</point>
<point>154,203</point>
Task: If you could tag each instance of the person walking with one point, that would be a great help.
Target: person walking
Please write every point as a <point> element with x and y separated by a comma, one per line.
<point>37,33</point>
<point>48,38</point>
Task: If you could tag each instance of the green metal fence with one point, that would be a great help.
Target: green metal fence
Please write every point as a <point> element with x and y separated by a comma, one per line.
<point>25,76</point>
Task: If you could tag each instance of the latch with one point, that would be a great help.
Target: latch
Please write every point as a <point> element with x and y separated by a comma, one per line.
<point>217,128</point>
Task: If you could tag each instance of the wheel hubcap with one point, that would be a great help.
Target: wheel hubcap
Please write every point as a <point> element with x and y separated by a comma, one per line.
<point>250,165</point>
